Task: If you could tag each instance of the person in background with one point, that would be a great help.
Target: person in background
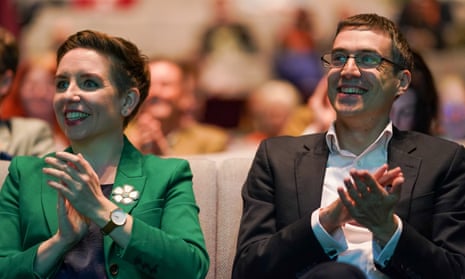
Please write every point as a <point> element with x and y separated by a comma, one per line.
<point>99,209</point>
<point>166,124</point>
<point>18,136</point>
<point>418,108</point>
<point>269,108</point>
<point>32,96</point>
<point>296,58</point>
<point>315,116</point>
<point>363,199</point>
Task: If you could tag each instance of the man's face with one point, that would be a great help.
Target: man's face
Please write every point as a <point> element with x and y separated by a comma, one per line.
<point>356,92</point>
<point>166,90</point>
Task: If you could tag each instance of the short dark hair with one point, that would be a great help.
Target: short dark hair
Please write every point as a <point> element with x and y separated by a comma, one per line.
<point>9,51</point>
<point>401,52</point>
<point>128,65</point>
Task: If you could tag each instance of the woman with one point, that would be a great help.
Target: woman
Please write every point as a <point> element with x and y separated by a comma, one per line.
<point>100,209</point>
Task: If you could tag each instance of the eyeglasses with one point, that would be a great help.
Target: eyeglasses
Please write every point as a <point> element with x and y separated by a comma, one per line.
<point>364,60</point>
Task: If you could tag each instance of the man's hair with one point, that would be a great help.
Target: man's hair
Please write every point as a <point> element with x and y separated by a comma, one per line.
<point>128,66</point>
<point>9,51</point>
<point>401,53</point>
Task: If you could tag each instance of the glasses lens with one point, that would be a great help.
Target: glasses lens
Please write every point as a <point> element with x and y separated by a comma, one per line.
<point>368,60</point>
<point>338,59</point>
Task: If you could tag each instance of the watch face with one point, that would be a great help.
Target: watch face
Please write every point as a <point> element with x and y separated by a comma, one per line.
<point>118,217</point>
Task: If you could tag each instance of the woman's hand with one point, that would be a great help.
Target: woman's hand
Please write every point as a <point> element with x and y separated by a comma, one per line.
<point>72,226</point>
<point>77,182</point>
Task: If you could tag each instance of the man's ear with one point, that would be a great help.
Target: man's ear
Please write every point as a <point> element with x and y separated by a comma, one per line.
<point>6,80</point>
<point>405,77</point>
<point>129,101</point>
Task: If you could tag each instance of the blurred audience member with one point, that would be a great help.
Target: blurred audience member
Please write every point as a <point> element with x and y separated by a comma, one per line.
<point>452,88</point>
<point>269,108</point>
<point>424,23</point>
<point>230,65</point>
<point>316,116</point>
<point>418,108</point>
<point>32,95</point>
<point>18,136</point>
<point>166,123</point>
<point>296,59</point>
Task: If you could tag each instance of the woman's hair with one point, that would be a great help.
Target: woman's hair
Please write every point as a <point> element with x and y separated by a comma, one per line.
<point>129,67</point>
<point>401,53</point>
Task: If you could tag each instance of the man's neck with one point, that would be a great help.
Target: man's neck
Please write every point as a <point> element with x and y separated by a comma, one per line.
<point>357,136</point>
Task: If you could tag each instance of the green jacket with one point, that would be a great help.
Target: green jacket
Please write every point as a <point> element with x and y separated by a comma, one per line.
<point>166,241</point>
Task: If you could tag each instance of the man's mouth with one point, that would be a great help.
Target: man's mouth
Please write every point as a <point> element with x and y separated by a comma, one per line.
<point>352,90</point>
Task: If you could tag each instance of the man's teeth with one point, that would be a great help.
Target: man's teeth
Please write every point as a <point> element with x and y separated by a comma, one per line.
<point>75,115</point>
<point>352,90</point>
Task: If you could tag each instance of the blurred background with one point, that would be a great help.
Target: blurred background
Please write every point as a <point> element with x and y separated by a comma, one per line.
<point>237,45</point>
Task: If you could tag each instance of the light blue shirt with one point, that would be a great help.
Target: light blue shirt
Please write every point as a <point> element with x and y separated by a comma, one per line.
<point>354,244</point>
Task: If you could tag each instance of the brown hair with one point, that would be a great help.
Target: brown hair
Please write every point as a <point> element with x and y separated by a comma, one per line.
<point>401,53</point>
<point>9,52</point>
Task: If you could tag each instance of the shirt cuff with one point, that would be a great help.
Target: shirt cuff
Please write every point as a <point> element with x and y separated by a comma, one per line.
<point>383,255</point>
<point>333,244</point>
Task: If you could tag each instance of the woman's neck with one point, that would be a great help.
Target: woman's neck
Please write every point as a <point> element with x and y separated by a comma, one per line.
<point>103,157</point>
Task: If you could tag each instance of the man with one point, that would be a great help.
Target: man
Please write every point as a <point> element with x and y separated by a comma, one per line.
<point>166,123</point>
<point>19,136</point>
<point>325,205</point>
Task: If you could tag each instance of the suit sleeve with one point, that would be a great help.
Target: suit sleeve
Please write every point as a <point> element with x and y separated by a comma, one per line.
<point>263,249</point>
<point>438,252</point>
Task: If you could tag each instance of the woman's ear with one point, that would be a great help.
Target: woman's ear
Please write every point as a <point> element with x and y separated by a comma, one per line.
<point>129,101</point>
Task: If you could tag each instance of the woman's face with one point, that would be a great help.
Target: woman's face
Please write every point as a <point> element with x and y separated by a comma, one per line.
<point>403,111</point>
<point>87,104</point>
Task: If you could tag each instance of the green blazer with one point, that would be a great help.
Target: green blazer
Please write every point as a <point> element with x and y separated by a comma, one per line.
<point>166,241</point>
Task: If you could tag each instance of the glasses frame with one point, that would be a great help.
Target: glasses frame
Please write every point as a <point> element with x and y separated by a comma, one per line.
<point>328,64</point>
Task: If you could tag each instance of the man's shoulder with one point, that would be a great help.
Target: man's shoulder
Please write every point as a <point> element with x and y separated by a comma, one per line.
<point>28,124</point>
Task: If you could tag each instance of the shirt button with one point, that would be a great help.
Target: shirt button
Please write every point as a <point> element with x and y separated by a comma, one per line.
<point>114,269</point>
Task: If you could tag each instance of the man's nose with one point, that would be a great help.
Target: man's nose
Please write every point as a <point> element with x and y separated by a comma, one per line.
<point>350,67</point>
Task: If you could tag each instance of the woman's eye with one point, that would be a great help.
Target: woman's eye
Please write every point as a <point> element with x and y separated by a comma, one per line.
<point>89,84</point>
<point>61,85</point>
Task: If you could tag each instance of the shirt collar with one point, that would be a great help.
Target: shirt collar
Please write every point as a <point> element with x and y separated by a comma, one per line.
<point>383,138</point>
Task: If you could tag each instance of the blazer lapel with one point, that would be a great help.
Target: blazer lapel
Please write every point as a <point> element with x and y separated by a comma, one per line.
<point>399,155</point>
<point>130,172</point>
<point>310,166</point>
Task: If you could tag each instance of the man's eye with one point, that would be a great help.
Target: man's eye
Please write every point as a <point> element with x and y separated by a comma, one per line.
<point>339,58</point>
<point>370,59</point>
<point>61,85</point>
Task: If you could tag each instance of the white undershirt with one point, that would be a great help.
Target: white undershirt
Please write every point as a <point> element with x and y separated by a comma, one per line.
<point>353,244</point>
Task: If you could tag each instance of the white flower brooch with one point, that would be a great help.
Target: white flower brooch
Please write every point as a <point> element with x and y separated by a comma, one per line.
<point>125,194</point>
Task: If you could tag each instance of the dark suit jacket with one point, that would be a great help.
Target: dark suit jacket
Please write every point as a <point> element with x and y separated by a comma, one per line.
<point>166,241</point>
<point>284,187</point>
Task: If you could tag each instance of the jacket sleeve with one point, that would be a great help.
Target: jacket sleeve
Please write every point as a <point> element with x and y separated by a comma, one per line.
<point>264,250</point>
<point>167,241</point>
<point>15,262</point>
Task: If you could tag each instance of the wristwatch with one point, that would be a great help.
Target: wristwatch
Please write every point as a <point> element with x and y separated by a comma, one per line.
<point>117,219</point>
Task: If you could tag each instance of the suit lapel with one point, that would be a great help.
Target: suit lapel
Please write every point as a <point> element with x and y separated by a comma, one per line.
<point>399,154</point>
<point>310,166</point>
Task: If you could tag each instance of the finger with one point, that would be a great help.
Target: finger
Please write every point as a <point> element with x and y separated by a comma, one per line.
<point>380,171</point>
<point>359,179</point>
<point>389,176</point>
<point>71,160</point>
<point>352,192</point>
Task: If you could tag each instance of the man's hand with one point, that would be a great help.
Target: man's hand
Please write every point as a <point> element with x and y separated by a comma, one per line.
<point>370,200</point>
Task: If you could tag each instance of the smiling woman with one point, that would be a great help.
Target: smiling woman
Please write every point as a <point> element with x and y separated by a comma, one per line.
<point>100,194</point>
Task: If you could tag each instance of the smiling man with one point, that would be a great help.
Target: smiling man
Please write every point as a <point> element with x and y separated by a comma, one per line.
<point>362,200</point>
